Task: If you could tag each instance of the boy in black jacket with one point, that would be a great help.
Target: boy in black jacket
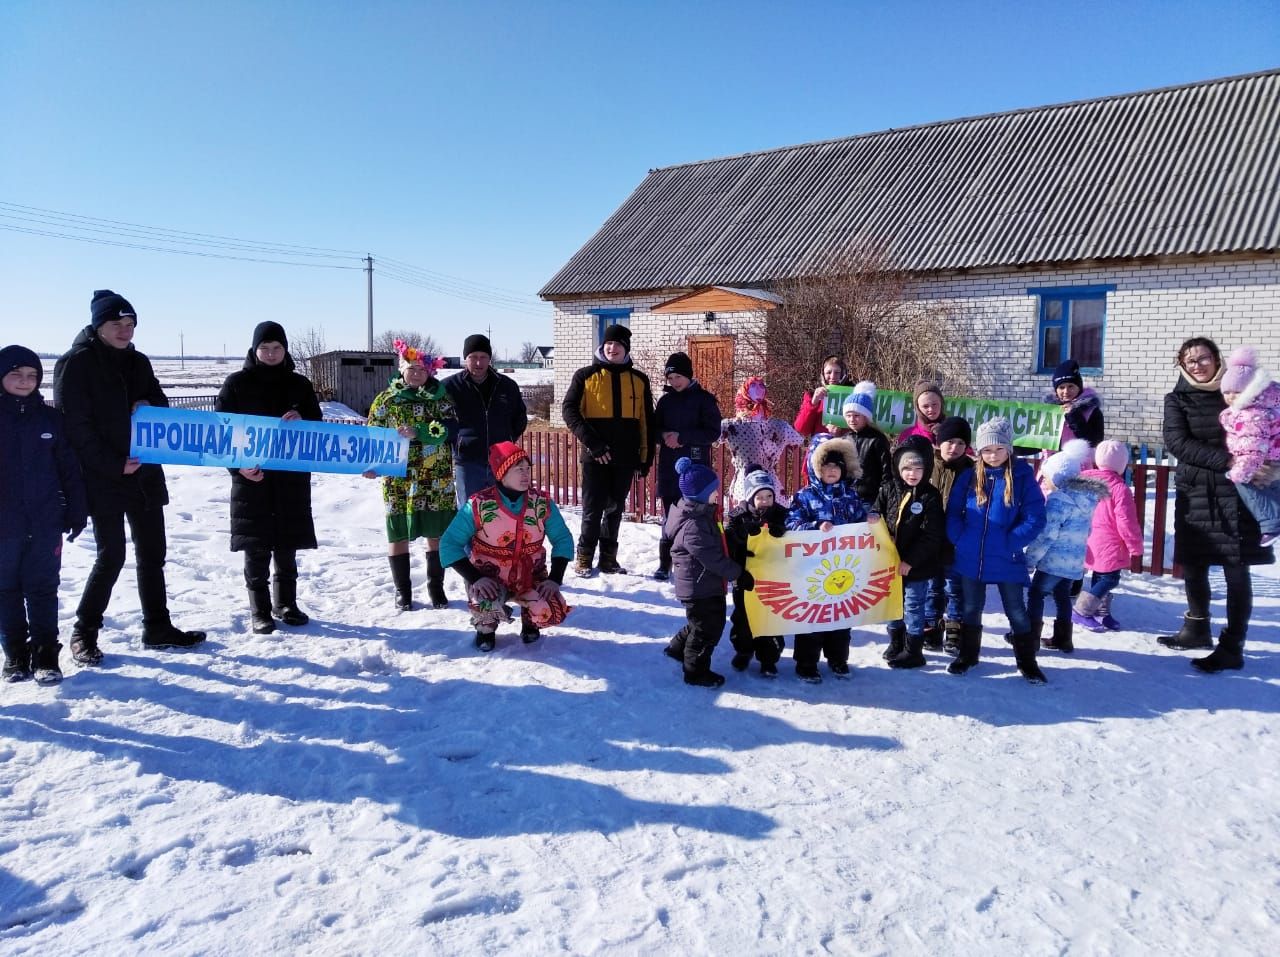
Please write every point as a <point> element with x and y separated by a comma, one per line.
<point>758,510</point>
<point>912,510</point>
<point>41,496</point>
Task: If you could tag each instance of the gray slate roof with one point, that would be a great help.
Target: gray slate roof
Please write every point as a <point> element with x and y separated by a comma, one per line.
<point>1179,171</point>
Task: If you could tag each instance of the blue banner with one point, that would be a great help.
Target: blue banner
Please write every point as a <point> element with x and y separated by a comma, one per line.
<point>227,440</point>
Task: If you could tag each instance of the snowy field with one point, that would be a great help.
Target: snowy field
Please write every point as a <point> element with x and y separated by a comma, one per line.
<point>370,784</point>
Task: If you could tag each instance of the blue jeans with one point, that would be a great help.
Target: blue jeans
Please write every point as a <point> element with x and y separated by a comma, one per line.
<point>1042,583</point>
<point>915,602</point>
<point>1102,583</point>
<point>471,477</point>
<point>944,595</point>
<point>1264,504</point>
<point>974,599</point>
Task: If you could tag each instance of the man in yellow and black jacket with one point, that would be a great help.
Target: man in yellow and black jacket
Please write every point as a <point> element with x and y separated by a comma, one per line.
<point>609,407</point>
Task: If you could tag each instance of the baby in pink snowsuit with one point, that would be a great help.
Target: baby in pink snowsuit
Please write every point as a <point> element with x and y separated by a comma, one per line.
<point>1251,422</point>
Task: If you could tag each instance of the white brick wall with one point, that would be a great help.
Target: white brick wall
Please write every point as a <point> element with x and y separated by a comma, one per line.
<point>1155,306</point>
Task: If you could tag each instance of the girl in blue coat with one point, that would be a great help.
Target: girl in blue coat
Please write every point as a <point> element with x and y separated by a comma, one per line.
<point>994,512</point>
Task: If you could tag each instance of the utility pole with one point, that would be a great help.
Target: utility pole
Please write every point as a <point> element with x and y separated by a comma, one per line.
<point>369,274</point>
<point>182,351</point>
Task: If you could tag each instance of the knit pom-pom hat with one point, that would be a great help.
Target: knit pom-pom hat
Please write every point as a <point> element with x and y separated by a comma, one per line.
<point>862,400</point>
<point>697,482</point>
<point>1242,366</point>
<point>1061,467</point>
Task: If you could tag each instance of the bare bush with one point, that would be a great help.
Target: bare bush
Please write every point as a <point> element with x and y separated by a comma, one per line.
<point>528,352</point>
<point>306,346</point>
<point>386,341</point>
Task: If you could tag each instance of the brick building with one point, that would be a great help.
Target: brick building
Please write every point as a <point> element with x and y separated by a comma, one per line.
<point>1106,230</point>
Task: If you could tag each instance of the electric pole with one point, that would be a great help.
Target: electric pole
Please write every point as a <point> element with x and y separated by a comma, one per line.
<point>369,274</point>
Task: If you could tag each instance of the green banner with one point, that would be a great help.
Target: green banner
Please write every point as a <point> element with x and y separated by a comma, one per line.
<point>1036,425</point>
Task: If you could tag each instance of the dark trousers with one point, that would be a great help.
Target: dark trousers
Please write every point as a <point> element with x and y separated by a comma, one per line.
<point>257,566</point>
<point>29,568</point>
<point>1239,595</point>
<point>146,527</point>
<point>604,497</point>
<point>832,645</point>
<point>1042,584</point>
<point>766,648</point>
<point>698,638</point>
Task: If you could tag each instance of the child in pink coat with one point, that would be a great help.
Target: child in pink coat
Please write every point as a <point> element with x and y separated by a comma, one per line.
<point>1251,422</point>
<point>1115,538</point>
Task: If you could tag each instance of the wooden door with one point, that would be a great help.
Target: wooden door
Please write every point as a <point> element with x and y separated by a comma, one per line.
<point>713,367</point>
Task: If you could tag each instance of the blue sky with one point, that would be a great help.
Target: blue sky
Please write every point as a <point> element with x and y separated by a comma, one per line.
<point>483,142</point>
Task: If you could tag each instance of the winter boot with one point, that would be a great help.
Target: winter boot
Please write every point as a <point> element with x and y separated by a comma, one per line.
<point>609,559</point>
<point>703,678</point>
<point>583,564</point>
<point>435,581</point>
<point>1086,612</point>
<point>286,602</point>
<point>1193,634</point>
<point>260,620</point>
<point>1024,653</point>
<point>1229,655</point>
<point>839,668</point>
<point>44,663</point>
<point>768,669</point>
<point>17,663</point>
<point>808,673</point>
<point>740,660</point>
<point>529,632</point>
<point>932,636</point>
<point>485,640</point>
<point>1061,640</point>
<point>84,646</point>
<point>951,637</point>
<point>664,561</point>
<point>897,641</point>
<point>911,656</point>
<point>402,579</point>
<point>170,635</point>
<point>1104,613</point>
<point>969,650</point>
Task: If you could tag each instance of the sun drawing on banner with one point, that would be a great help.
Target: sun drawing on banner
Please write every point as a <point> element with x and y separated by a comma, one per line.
<point>834,578</point>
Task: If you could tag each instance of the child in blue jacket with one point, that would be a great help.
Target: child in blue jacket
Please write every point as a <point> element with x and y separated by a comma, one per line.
<point>828,500</point>
<point>995,511</point>
<point>41,496</point>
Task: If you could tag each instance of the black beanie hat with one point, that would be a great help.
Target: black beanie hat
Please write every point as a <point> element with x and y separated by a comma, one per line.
<point>680,364</point>
<point>954,427</point>
<point>107,305</point>
<point>1068,371</point>
<point>269,332</point>
<point>619,334</point>
<point>15,357</point>
<point>476,343</point>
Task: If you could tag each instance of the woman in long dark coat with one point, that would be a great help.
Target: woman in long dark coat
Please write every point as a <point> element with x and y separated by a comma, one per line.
<point>271,510</point>
<point>1210,525</point>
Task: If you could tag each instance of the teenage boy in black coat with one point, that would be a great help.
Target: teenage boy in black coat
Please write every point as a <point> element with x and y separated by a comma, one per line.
<point>489,409</point>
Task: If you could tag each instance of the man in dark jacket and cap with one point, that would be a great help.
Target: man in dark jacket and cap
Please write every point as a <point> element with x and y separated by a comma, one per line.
<point>489,409</point>
<point>98,384</point>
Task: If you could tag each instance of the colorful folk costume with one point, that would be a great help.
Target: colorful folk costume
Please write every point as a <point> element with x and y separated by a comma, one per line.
<point>756,439</point>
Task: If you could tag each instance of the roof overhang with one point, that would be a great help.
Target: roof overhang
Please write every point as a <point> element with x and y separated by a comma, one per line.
<point>719,299</point>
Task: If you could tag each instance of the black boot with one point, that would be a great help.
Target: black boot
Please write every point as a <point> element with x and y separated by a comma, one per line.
<point>897,641</point>
<point>969,650</point>
<point>912,655</point>
<point>44,663</point>
<point>1193,634</point>
<point>609,559</point>
<point>485,640</point>
<point>1024,652</point>
<point>703,677</point>
<point>260,620</point>
<point>286,602</point>
<point>664,561</point>
<point>1228,656</point>
<point>402,579</point>
<point>529,632</point>
<point>17,661</point>
<point>169,635</point>
<point>1062,637</point>
<point>951,637</point>
<point>84,646</point>
<point>435,581</point>
<point>932,636</point>
<point>740,661</point>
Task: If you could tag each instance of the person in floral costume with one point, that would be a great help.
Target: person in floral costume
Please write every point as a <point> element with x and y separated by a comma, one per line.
<point>421,504</point>
<point>754,438</point>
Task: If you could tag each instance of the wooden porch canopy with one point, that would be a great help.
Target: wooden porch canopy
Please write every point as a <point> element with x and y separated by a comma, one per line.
<point>719,299</point>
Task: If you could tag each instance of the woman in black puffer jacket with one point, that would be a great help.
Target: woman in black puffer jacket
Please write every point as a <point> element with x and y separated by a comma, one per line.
<point>1210,525</point>
<point>271,510</point>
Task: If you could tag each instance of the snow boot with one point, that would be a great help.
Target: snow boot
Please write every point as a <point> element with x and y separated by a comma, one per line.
<point>286,602</point>
<point>170,636</point>
<point>260,620</point>
<point>84,646</point>
<point>486,640</point>
<point>435,581</point>
<point>1193,634</point>
<point>932,636</point>
<point>44,663</point>
<point>740,661</point>
<point>664,561</point>
<point>529,632</point>
<point>402,579</point>
<point>1086,612</point>
<point>674,650</point>
<point>897,641</point>
<point>703,678</point>
<point>583,563</point>
<point>1024,653</point>
<point>1228,656</point>
<point>969,650</point>
<point>912,656</point>
<point>768,669</point>
<point>609,559</point>
<point>808,673</point>
<point>1061,640</point>
<point>839,668</point>
<point>951,637</point>
<point>1104,614</point>
<point>17,663</point>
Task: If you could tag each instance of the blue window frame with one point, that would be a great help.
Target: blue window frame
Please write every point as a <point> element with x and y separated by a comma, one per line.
<point>1072,325</point>
<point>606,318</point>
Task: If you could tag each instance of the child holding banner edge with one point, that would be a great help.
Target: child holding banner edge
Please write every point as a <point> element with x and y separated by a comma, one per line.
<point>995,511</point>
<point>759,511</point>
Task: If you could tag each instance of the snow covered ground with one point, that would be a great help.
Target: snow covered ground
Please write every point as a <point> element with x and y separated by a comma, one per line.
<point>372,784</point>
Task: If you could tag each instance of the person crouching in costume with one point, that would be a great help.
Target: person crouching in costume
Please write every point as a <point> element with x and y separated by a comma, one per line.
<point>505,527</point>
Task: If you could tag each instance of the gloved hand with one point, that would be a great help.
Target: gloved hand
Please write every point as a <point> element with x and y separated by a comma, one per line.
<point>777,529</point>
<point>746,581</point>
<point>486,589</point>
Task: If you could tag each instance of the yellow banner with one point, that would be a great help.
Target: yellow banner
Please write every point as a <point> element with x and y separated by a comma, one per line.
<point>819,581</point>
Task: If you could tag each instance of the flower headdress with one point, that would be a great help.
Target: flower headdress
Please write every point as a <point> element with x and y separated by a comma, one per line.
<point>412,355</point>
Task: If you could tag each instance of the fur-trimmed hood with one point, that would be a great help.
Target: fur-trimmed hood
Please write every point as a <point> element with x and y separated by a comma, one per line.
<point>821,445</point>
<point>1257,385</point>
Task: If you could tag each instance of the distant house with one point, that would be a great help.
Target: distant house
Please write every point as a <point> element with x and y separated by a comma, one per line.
<point>546,357</point>
<point>1105,230</point>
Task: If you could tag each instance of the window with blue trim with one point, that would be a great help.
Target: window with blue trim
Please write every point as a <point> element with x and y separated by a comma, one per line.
<point>606,318</point>
<point>1072,325</point>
